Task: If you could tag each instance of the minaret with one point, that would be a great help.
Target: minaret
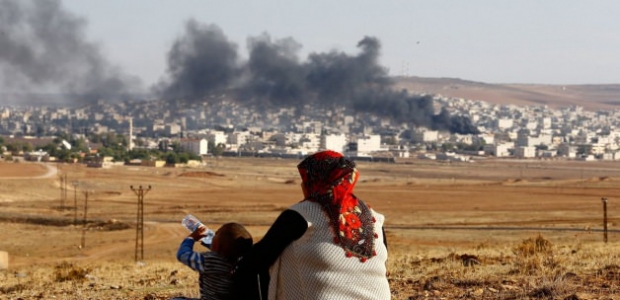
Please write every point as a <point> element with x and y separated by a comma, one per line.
<point>130,133</point>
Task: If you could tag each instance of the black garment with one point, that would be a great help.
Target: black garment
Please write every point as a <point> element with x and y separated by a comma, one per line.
<point>288,227</point>
<point>254,265</point>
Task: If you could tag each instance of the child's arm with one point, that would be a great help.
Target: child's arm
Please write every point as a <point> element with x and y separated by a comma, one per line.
<point>186,253</point>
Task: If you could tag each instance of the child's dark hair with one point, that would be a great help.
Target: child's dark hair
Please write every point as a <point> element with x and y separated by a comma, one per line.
<point>231,241</point>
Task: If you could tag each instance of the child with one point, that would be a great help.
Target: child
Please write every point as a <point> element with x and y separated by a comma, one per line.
<point>216,267</point>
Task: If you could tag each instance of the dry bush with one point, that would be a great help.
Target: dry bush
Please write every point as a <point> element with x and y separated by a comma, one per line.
<point>536,256</point>
<point>530,247</point>
<point>549,289</point>
<point>69,272</point>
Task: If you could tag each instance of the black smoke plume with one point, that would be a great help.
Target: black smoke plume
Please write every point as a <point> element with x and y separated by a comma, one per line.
<point>43,49</point>
<point>275,72</point>
<point>200,62</point>
<point>203,62</point>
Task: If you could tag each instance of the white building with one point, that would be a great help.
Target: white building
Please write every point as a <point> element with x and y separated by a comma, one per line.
<point>217,137</point>
<point>567,151</point>
<point>488,138</point>
<point>498,150</point>
<point>195,146</point>
<point>335,142</point>
<point>546,123</point>
<point>238,138</point>
<point>172,129</point>
<point>368,144</point>
<point>310,142</point>
<point>525,152</point>
<point>526,140</point>
<point>425,136</point>
<point>504,123</point>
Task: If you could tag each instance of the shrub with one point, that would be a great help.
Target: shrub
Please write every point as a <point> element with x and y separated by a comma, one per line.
<point>535,256</point>
<point>68,272</point>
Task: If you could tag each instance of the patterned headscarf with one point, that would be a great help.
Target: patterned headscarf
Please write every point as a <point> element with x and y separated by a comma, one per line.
<point>328,179</point>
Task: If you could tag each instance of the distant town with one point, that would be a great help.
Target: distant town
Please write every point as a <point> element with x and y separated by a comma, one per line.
<point>160,132</point>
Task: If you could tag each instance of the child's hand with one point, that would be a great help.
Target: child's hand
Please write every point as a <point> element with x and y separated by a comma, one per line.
<point>199,233</point>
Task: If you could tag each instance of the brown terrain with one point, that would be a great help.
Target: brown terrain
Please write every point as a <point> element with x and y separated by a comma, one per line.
<point>590,96</point>
<point>489,229</point>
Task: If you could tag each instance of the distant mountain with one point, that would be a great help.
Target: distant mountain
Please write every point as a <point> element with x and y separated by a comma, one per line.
<point>590,96</point>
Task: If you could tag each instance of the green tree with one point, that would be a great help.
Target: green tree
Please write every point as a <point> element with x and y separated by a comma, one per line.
<point>110,139</point>
<point>95,138</point>
<point>63,155</point>
<point>40,130</point>
<point>216,150</point>
<point>27,147</point>
<point>391,140</point>
<point>14,147</point>
<point>184,157</point>
<point>105,151</point>
<point>140,142</point>
<point>584,149</point>
<point>172,158</point>
<point>176,146</point>
<point>79,145</point>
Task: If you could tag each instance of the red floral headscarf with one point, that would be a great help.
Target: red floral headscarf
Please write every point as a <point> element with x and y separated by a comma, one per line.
<point>328,179</point>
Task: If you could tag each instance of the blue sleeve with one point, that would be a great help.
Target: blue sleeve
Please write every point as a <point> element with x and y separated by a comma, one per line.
<point>188,257</point>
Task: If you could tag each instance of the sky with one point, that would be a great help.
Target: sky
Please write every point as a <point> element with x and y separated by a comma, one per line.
<point>525,41</point>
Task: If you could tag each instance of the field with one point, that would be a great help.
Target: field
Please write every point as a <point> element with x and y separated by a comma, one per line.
<point>489,229</point>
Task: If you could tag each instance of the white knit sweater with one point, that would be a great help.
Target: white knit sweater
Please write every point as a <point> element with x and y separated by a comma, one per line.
<point>314,267</point>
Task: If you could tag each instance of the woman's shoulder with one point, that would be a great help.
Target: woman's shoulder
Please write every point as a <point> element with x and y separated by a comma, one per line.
<point>379,217</point>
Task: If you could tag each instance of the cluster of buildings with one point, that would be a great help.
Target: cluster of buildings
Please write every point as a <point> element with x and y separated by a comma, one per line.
<point>505,130</point>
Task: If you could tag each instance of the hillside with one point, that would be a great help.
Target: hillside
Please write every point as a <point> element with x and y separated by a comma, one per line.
<point>591,97</point>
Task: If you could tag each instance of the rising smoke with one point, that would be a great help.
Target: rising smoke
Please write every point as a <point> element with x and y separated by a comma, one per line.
<point>43,49</point>
<point>204,62</point>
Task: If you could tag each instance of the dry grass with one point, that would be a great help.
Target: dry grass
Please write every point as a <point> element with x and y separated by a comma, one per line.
<point>450,227</point>
<point>530,269</point>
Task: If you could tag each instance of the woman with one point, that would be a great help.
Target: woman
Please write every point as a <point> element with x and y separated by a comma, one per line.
<point>331,245</point>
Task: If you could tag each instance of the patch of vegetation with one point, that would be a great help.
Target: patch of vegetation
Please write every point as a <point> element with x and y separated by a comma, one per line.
<point>69,272</point>
<point>536,256</point>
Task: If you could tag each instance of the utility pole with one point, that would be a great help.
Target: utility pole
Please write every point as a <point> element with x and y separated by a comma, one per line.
<point>604,200</point>
<point>62,193</point>
<point>140,192</point>
<point>83,242</point>
<point>75,184</point>
<point>64,198</point>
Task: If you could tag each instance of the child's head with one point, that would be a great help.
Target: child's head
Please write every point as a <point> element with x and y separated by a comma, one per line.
<point>231,241</point>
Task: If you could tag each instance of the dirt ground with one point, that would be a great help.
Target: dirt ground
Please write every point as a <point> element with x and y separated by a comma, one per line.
<point>427,204</point>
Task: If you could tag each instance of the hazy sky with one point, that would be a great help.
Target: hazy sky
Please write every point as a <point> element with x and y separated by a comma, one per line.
<point>524,41</point>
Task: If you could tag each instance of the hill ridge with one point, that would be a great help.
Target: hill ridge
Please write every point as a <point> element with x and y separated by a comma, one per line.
<point>589,96</point>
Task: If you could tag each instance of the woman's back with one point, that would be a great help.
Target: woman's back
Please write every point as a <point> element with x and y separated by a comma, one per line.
<point>314,267</point>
